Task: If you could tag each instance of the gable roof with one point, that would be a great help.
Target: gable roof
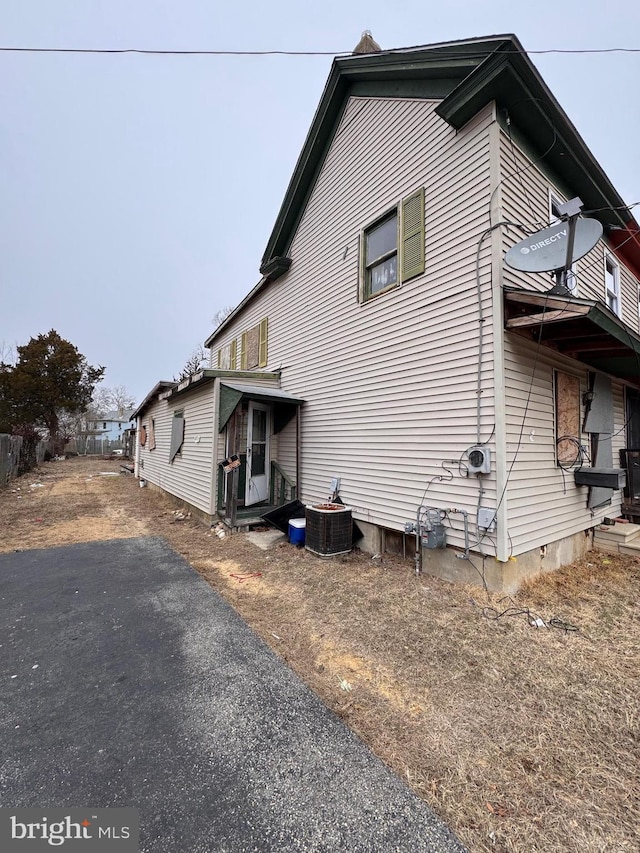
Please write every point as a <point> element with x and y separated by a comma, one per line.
<point>464,76</point>
<point>432,71</point>
<point>152,395</point>
<point>118,417</point>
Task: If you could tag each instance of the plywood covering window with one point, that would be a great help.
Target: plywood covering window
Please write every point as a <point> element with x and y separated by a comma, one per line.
<point>152,435</point>
<point>254,346</point>
<point>227,356</point>
<point>393,247</point>
<point>567,417</point>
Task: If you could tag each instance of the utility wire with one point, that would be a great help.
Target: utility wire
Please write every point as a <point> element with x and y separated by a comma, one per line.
<point>154,52</point>
<point>159,52</point>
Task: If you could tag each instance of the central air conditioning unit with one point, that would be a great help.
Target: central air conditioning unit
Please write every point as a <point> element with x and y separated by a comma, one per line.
<point>329,529</point>
<point>478,459</point>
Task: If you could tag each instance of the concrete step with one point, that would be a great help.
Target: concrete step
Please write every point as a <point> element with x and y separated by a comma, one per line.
<point>617,534</point>
<point>631,549</point>
<point>609,547</point>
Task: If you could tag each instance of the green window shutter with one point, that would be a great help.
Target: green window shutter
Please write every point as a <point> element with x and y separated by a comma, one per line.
<point>264,332</point>
<point>413,235</point>
<point>233,346</point>
<point>243,351</point>
<point>219,358</point>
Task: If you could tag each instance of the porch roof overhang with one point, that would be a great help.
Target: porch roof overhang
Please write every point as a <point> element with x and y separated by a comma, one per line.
<point>583,329</point>
<point>232,393</point>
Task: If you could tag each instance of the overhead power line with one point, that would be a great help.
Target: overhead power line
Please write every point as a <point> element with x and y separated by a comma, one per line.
<point>159,52</point>
<point>173,52</point>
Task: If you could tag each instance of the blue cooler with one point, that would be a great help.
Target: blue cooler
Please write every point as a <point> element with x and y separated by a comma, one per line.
<point>296,530</point>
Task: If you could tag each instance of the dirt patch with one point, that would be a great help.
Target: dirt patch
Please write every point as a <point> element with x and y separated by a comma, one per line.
<point>521,738</point>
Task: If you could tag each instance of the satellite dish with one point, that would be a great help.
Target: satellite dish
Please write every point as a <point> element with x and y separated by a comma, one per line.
<point>546,250</point>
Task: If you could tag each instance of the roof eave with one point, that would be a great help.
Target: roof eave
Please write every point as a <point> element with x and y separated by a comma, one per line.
<point>581,329</point>
<point>512,81</point>
<point>206,375</point>
<point>231,317</point>
<point>157,388</point>
<point>447,59</point>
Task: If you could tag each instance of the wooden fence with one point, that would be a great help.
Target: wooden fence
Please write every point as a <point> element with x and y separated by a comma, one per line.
<point>10,461</point>
<point>9,457</point>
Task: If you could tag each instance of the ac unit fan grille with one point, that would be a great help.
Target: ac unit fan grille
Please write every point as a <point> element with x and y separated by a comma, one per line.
<point>328,533</point>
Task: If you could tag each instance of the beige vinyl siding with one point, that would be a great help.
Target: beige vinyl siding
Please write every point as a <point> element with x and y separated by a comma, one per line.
<point>629,292</point>
<point>189,476</point>
<point>525,199</point>
<point>287,450</point>
<point>390,385</point>
<point>153,462</point>
<point>542,505</point>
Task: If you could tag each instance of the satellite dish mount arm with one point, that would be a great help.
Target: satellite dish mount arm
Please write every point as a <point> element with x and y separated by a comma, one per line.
<point>569,211</point>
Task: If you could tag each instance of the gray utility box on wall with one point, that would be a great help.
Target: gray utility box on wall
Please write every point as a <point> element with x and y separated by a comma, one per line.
<point>605,478</point>
<point>329,529</point>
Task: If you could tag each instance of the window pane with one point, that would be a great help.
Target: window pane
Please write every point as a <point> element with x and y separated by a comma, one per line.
<point>259,426</point>
<point>382,239</point>
<point>383,275</point>
<point>258,459</point>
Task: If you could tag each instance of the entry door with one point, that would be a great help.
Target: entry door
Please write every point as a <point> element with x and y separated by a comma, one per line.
<point>633,418</point>
<point>257,488</point>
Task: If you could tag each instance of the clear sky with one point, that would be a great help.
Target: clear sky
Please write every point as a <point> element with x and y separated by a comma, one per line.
<point>137,193</point>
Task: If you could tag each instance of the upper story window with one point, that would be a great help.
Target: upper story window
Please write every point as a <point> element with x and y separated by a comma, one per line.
<point>227,356</point>
<point>381,255</point>
<point>393,247</point>
<point>612,284</point>
<point>254,346</point>
<point>554,216</point>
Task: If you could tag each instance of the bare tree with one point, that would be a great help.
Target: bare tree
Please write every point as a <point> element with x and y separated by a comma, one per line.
<point>109,399</point>
<point>8,354</point>
<point>196,361</point>
<point>121,399</point>
<point>221,315</point>
<point>100,402</point>
<point>199,358</point>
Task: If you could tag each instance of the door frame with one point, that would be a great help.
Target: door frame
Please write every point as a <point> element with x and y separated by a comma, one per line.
<point>257,488</point>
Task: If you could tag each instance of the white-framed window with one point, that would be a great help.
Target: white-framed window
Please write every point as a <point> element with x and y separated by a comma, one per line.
<point>392,247</point>
<point>612,284</point>
<point>381,255</point>
<point>554,216</point>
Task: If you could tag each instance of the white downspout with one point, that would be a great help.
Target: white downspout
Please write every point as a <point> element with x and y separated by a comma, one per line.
<point>136,452</point>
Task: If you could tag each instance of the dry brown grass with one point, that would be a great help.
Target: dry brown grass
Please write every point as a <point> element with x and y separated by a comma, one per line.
<point>521,738</point>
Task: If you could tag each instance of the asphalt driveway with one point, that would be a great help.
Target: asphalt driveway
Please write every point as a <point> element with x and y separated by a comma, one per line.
<point>125,680</point>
